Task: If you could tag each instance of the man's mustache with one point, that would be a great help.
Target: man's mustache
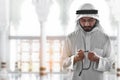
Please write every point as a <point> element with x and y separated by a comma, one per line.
<point>87,27</point>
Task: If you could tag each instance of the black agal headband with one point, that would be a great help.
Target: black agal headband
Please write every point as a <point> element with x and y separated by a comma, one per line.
<point>87,12</point>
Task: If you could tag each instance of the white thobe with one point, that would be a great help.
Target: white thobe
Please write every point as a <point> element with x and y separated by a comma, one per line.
<point>95,41</point>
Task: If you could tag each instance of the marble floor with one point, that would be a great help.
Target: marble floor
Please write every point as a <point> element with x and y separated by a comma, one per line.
<point>49,76</point>
<point>34,76</point>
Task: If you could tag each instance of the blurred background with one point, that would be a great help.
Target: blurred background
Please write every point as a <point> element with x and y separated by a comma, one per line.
<point>32,34</point>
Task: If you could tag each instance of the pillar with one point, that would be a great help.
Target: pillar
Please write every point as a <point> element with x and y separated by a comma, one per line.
<point>118,54</point>
<point>4,33</point>
<point>42,9</point>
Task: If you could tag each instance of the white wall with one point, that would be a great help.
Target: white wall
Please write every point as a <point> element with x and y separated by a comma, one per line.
<point>4,25</point>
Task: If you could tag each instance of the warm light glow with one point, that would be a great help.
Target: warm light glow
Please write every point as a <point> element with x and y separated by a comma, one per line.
<point>28,52</point>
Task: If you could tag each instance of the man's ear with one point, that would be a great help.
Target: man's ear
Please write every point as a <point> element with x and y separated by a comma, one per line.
<point>97,21</point>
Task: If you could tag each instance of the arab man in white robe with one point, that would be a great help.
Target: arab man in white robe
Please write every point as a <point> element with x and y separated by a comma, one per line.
<point>87,50</point>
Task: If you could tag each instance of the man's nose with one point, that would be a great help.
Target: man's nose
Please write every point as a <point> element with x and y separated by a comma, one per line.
<point>86,23</point>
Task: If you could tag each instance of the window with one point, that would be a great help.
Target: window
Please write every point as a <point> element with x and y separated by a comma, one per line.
<point>25,40</point>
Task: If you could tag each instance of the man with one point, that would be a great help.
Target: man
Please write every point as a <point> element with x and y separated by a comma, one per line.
<point>87,50</point>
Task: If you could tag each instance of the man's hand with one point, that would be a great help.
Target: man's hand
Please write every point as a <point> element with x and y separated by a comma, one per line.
<point>93,57</point>
<point>80,56</point>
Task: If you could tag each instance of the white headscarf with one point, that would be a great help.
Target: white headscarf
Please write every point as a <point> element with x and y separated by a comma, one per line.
<point>88,6</point>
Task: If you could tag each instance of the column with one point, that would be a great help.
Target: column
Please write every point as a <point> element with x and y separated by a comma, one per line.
<point>15,17</point>
<point>42,9</point>
<point>42,49</point>
<point>118,54</point>
<point>114,6</point>
<point>4,33</point>
<point>64,10</point>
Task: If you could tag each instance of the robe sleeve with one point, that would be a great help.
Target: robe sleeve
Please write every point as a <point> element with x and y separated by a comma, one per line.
<point>67,57</point>
<point>105,63</point>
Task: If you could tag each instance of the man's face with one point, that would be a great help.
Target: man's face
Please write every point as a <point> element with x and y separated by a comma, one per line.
<point>87,23</point>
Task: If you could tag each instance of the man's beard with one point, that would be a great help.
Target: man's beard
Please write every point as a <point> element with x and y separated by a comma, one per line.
<point>88,28</point>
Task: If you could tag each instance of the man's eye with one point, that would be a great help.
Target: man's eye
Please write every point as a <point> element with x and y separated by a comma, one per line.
<point>83,20</point>
<point>90,20</point>
<point>87,20</point>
